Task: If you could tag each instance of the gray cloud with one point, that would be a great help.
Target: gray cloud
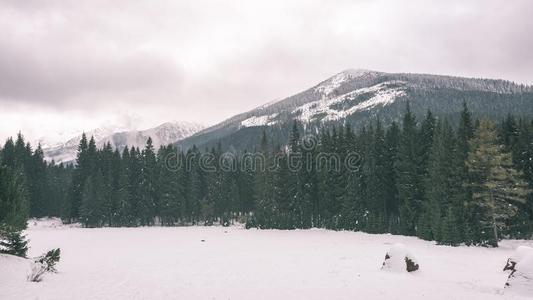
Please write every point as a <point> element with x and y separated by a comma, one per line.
<point>207,60</point>
<point>70,79</point>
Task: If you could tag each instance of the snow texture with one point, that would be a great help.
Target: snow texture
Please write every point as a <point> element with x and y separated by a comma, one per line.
<point>121,136</point>
<point>520,253</point>
<point>396,258</point>
<point>259,121</point>
<point>382,94</point>
<point>520,279</point>
<point>234,263</point>
<point>336,81</point>
<point>49,223</point>
<point>37,271</point>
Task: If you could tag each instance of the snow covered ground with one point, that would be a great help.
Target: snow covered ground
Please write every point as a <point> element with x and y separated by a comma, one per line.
<point>234,263</point>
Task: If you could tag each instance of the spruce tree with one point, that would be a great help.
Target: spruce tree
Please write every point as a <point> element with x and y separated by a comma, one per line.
<point>80,175</point>
<point>440,186</point>
<point>12,241</point>
<point>329,189</point>
<point>120,189</point>
<point>407,175</point>
<point>265,205</point>
<point>375,180</point>
<point>497,185</point>
<point>466,216</point>
<point>392,140</point>
<point>13,199</point>
<point>93,199</point>
<point>149,202</point>
<point>171,201</point>
<point>280,193</point>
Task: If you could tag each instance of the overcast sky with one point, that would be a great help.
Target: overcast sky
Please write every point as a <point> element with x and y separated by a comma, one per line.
<point>71,65</point>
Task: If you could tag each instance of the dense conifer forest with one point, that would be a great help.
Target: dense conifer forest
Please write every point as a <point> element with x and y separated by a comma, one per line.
<point>453,182</point>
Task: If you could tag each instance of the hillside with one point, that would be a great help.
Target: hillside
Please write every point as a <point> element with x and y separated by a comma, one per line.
<point>356,96</point>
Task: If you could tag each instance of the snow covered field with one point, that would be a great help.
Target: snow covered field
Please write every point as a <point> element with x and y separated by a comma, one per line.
<point>234,263</point>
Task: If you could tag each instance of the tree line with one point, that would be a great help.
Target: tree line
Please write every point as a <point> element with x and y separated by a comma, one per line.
<point>463,182</point>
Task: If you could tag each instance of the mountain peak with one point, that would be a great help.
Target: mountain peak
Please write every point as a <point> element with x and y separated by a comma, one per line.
<point>357,96</point>
<point>329,85</point>
<point>357,72</point>
<point>119,137</point>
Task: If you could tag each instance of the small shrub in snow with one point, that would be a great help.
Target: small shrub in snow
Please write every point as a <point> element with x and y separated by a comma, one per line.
<point>37,271</point>
<point>42,264</point>
<point>520,253</point>
<point>12,242</point>
<point>520,264</point>
<point>399,259</point>
<point>50,258</point>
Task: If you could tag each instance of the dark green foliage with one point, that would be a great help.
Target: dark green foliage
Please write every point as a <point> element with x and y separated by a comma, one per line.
<point>436,180</point>
<point>12,241</point>
<point>407,174</point>
<point>50,259</point>
<point>13,198</point>
<point>498,188</point>
<point>92,202</point>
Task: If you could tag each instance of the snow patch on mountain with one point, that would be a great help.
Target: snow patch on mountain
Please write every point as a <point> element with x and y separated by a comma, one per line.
<point>259,120</point>
<point>119,137</point>
<point>381,94</point>
<point>333,83</point>
<point>163,134</point>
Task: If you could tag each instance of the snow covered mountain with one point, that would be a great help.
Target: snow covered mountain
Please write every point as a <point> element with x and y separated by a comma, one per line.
<point>119,137</point>
<point>357,95</point>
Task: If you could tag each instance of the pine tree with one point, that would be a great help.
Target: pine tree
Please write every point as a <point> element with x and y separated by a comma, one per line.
<point>522,152</point>
<point>36,175</point>
<point>13,199</point>
<point>123,212</point>
<point>426,134</point>
<point>197,190</point>
<point>171,200</point>
<point>8,154</point>
<point>407,175</point>
<point>80,175</point>
<point>392,140</point>
<point>105,161</point>
<point>134,167</point>
<point>466,216</point>
<point>210,203</point>
<point>309,182</point>
<point>246,186</point>
<point>265,205</point>
<point>353,210</point>
<point>93,198</point>
<point>441,196</point>
<point>12,241</point>
<point>497,185</point>
<point>149,204</point>
<point>14,206</point>
<point>449,231</point>
<point>280,181</point>
<point>375,180</point>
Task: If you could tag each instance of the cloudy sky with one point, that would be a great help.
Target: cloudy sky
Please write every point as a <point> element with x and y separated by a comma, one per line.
<point>71,65</point>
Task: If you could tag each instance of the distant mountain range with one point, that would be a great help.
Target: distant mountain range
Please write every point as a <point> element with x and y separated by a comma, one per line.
<point>357,96</point>
<point>119,137</point>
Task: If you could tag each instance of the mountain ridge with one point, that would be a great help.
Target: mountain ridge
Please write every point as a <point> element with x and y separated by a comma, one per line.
<point>119,137</point>
<point>355,95</point>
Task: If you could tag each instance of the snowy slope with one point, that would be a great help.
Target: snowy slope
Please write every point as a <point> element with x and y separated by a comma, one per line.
<point>337,108</point>
<point>234,263</point>
<point>65,150</point>
<point>163,134</point>
<point>120,136</point>
<point>357,95</point>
